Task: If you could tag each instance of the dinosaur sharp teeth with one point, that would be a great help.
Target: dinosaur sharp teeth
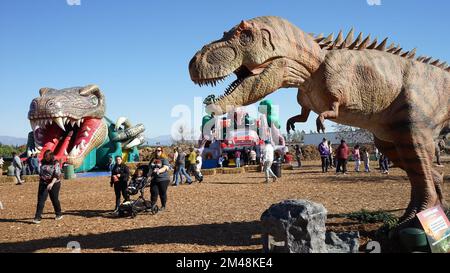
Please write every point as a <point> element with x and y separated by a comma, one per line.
<point>83,144</point>
<point>79,123</point>
<point>34,125</point>
<point>86,134</point>
<point>74,152</point>
<point>88,129</point>
<point>73,122</point>
<point>60,123</point>
<point>65,120</point>
<point>65,153</point>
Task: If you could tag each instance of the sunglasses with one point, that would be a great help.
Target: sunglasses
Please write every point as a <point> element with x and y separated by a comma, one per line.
<point>159,150</point>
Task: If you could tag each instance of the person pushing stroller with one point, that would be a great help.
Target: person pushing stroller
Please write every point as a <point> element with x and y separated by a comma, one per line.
<point>159,177</point>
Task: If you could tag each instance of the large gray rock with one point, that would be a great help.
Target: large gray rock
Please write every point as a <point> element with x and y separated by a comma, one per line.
<point>347,242</point>
<point>294,226</point>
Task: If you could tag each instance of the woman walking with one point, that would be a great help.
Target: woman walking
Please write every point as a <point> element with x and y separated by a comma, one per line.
<point>159,175</point>
<point>119,180</point>
<point>49,184</point>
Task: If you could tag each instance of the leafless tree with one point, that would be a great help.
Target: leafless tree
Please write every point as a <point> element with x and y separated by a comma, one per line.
<point>353,134</point>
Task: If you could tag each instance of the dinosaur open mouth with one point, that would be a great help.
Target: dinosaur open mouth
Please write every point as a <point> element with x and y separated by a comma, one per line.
<point>242,73</point>
<point>69,139</point>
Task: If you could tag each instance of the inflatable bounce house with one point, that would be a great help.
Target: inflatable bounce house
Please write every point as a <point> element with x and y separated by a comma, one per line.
<point>237,131</point>
<point>72,124</point>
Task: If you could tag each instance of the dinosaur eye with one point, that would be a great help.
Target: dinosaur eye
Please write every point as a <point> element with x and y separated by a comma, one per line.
<point>94,100</point>
<point>50,103</point>
<point>246,37</point>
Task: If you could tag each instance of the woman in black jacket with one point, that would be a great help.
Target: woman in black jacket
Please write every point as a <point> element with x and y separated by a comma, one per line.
<point>49,184</point>
<point>119,179</point>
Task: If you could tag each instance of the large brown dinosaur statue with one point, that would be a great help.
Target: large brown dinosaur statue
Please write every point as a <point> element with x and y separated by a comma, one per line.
<point>403,101</point>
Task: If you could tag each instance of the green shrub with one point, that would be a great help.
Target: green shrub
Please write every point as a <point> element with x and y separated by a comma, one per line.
<point>365,217</point>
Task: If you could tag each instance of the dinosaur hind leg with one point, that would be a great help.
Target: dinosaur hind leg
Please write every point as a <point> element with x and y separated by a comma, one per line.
<point>416,151</point>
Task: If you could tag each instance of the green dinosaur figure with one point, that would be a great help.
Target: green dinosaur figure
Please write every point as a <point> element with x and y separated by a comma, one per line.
<point>266,107</point>
<point>403,101</point>
<point>71,122</point>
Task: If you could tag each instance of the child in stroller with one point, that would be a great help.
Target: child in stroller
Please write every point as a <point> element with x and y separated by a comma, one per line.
<point>137,185</point>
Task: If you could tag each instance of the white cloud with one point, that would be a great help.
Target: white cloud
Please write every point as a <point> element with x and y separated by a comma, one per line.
<point>374,2</point>
<point>73,2</point>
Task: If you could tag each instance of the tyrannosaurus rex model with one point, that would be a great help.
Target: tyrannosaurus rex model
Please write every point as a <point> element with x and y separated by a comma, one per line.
<point>71,122</point>
<point>403,101</point>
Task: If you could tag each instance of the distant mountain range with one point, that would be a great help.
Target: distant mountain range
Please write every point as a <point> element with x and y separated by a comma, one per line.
<point>165,140</point>
<point>15,141</point>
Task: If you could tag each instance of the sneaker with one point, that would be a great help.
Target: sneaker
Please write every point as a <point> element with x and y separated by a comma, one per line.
<point>162,209</point>
<point>59,217</point>
<point>36,221</point>
<point>275,179</point>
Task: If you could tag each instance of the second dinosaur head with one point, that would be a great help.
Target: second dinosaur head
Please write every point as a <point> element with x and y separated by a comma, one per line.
<point>265,53</point>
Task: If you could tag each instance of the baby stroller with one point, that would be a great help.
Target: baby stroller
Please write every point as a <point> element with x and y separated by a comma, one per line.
<point>133,207</point>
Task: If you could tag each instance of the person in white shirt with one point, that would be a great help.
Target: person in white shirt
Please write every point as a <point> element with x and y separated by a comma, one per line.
<point>252,157</point>
<point>2,162</point>
<point>198,167</point>
<point>268,156</point>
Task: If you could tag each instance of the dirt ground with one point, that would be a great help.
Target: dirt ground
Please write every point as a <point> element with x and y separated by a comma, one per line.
<point>220,215</point>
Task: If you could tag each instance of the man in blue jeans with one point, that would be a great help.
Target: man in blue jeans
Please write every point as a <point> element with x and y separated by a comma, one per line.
<point>181,168</point>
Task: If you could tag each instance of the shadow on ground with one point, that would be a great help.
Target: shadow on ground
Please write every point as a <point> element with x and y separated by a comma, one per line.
<point>238,234</point>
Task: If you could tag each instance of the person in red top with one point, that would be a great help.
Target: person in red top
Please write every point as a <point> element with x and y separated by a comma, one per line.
<point>288,158</point>
<point>342,157</point>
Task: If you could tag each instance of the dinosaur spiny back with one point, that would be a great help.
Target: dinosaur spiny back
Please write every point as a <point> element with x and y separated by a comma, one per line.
<point>329,43</point>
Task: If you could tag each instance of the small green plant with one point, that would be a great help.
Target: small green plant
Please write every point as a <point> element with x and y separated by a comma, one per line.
<point>365,217</point>
<point>389,221</point>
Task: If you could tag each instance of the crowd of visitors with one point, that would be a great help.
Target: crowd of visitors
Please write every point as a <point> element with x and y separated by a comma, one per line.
<point>339,158</point>
<point>187,168</point>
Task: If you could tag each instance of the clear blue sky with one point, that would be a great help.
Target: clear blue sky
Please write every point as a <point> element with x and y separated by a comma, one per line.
<point>138,51</point>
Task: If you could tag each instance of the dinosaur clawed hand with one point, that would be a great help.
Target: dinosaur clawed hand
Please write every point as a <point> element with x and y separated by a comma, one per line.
<point>320,123</point>
<point>290,126</point>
